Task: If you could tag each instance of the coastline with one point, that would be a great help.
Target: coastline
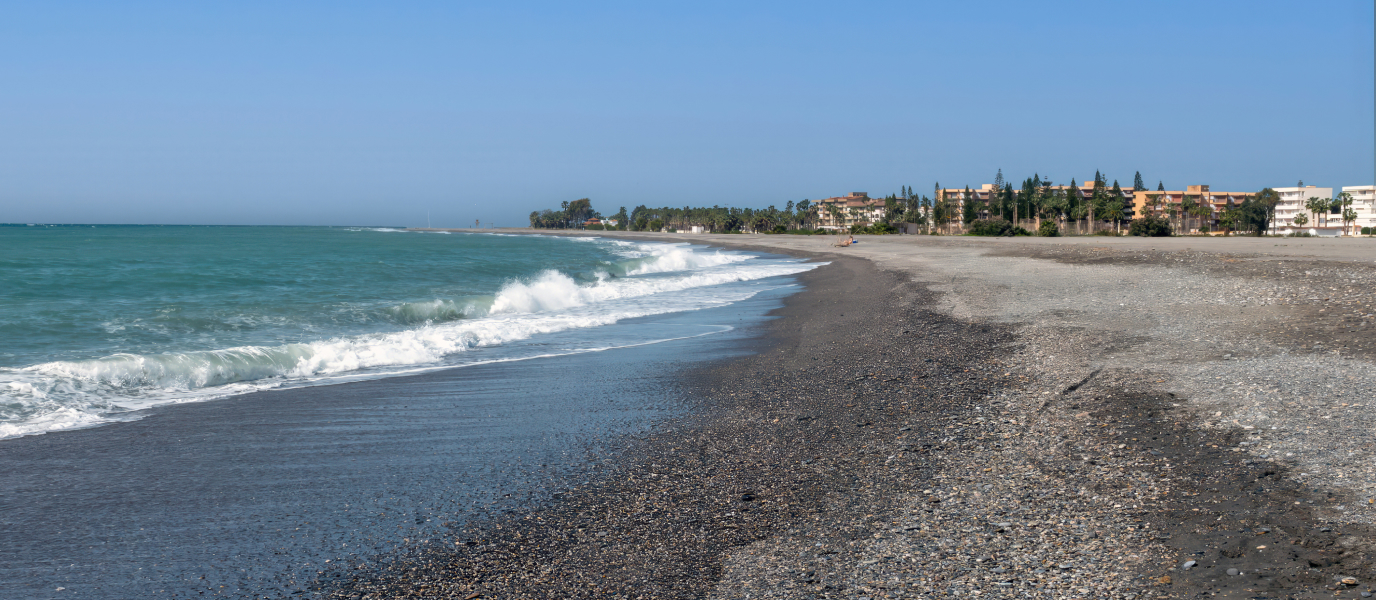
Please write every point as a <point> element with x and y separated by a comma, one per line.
<point>273,493</point>
<point>1079,475</point>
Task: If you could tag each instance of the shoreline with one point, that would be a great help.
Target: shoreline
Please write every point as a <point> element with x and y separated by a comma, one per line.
<point>266,494</point>
<point>1082,454</point>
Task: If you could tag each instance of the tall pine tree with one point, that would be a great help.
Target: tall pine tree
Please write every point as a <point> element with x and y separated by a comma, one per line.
<point>1009,201</point>
<point>1072,202</point>
<point>969,211</point>
<point>1160,187</point>
<point>1137,184</point>
<point>1116,195</point>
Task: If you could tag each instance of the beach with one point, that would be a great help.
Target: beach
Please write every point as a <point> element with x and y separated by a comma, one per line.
<point>219,420</point>
<point>938,417</point>
<point>917,417</point>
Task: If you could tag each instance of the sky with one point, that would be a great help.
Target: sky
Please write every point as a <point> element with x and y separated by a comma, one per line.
<point>344,113</point>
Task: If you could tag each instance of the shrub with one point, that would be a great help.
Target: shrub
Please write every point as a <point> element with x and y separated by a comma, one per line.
<point>656,225</point>
<point>1150,226</point>
<point>876,229</point>
<point>1299,234</point>
<point>1107,232</point>
<point>1048,228</point>
<point>1366,231</point>
<point>990,227</point>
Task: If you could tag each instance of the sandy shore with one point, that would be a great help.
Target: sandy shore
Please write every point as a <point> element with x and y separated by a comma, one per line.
<point>1082,417</point>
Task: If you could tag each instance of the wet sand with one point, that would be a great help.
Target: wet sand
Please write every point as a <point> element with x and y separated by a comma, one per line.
<point>272,493</point>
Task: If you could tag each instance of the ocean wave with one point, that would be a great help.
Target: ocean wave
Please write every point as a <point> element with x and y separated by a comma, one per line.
<point>662,279</point>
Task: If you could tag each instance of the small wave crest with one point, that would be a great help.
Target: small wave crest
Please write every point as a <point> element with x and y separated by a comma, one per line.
<point>438,310</point>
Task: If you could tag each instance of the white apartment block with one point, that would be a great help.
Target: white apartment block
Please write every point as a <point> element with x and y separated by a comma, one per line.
<point>1291,203</point>
<point>1364,202</point>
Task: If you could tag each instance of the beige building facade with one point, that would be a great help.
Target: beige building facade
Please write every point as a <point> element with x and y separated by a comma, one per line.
<point>856,208</point>
<point>1291,204</point>
<point>1364,204</point>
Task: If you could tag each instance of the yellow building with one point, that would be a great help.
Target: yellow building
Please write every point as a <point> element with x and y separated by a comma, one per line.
<point>1169,202</point>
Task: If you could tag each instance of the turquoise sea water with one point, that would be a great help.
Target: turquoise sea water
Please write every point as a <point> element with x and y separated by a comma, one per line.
<point>99,322</point>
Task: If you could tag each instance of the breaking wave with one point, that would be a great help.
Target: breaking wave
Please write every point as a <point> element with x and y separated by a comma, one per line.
<point>652,279</point>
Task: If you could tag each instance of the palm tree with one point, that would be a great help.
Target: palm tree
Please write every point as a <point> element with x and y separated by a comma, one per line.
<point>835,214</point>
<point>1188,208</point>
<point>1344,204</point>
<point>1317,206</point>
<point>1204,210</point>
<point>1298,222</point>
<point>1114,211</point>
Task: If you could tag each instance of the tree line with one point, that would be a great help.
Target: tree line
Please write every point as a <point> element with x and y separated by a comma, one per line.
<point>1100,207</point>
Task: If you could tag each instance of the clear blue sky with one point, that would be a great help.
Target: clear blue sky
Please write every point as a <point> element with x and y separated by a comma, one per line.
<point>374,113</point>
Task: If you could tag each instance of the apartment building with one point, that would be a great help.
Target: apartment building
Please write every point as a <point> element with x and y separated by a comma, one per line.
<point>981,196</point>
<point>840,212</point>
<point>1364,203</point>
<point>1291,203</point>
<point>1170,202</point>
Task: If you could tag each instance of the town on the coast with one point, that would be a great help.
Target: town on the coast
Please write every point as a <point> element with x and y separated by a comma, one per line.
<point>1036,207</point>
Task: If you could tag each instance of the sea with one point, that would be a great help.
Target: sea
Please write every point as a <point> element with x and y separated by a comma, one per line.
<point>100,322</point>
<point>258,411</point>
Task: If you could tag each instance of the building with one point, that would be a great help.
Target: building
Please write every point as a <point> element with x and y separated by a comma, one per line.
<point>1364,203</point>
<point>1291,203</point>
<point>982,195</point>
<point>855,208</point>
<point>1170,203</point>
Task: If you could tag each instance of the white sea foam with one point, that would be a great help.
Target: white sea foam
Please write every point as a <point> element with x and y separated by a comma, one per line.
<point>658,279</point>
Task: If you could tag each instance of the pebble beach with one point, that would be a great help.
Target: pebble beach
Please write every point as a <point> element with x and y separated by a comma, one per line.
<point>956,417</point>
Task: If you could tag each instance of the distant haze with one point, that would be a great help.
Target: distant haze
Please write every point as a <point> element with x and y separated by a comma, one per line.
<point>377,113</point>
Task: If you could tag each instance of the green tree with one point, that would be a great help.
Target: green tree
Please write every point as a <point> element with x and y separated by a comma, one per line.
<point>1137,184</point>
<point>578,211</point>
<point>1187,209</point>
<point>1251,216</point>
<point>1008,203</point>
<point>1317,206</point>
<point>1116,195</point>
<point>1344,205</point>
<point>1114,212</point>
<point>1300,220</point>
<point>1071,210</point>
<point>969,210</point>
<point>1268,199</point>
<point>1098,199</point>
<point>1160,187</point>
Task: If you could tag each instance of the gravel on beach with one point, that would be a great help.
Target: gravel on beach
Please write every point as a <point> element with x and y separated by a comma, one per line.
<point>1052,421</point>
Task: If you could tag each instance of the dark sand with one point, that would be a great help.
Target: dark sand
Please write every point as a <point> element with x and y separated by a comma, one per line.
<point>794,440</point>
<point>867,418</point>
